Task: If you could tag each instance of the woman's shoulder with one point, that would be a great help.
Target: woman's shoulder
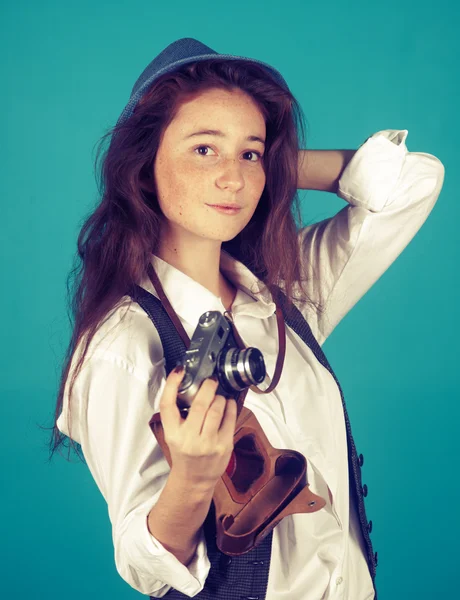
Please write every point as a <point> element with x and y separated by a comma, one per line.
<point>128,336</point>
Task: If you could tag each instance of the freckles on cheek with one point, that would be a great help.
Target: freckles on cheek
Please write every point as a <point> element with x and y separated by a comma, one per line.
<point>175,193</point>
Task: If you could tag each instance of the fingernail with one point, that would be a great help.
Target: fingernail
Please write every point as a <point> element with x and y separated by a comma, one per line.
<point>178,368</point>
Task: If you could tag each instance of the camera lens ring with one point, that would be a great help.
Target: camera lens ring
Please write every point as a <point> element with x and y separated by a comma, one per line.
<point>243,367</point>
<point>229,365</point>
<point>252,362</point>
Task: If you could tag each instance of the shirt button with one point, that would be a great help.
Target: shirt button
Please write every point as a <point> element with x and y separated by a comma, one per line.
<point>360,460</point>
<point>339,580</point>
<point>369,526</point>
<point>364,490</point>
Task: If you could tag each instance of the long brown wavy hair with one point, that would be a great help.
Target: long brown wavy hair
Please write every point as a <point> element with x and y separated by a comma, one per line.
<point>117,240</point>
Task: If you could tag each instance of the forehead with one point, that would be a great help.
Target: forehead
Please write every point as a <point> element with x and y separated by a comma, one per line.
<point>218,109</point>
<point>218,100</point>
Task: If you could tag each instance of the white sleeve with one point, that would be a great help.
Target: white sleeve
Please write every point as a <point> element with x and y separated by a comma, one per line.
<point>115,403</point>
<point>390,192</point>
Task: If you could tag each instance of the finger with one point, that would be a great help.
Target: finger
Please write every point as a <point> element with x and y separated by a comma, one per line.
<point>200,405</point>
<point>227,429</point>
<point>169,411</point>
<point>213,418</point>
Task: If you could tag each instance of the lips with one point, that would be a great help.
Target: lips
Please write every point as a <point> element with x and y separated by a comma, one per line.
<point>233,206</point>
<point>224,210</point>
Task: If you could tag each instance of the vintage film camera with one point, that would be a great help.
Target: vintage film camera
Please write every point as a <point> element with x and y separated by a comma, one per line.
<point>213,351</point>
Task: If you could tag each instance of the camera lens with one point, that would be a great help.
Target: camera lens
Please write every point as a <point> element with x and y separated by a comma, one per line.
<point>254,365</point>
<point>242,368</point>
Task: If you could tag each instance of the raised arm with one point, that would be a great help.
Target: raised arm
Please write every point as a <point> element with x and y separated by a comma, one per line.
<point>322,169</point>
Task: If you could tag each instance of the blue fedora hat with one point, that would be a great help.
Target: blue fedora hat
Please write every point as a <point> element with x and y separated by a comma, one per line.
<point>181,52</point>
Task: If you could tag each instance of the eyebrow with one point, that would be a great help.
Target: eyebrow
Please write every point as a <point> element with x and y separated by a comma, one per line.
<point>250,138</point>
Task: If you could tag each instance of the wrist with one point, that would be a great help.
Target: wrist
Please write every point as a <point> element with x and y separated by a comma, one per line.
<point>198,489</point>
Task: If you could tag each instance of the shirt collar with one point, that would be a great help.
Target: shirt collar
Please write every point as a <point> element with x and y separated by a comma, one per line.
<point>190,299</point>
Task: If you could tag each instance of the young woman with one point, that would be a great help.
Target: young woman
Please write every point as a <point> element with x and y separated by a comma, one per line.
<point>202,132</point>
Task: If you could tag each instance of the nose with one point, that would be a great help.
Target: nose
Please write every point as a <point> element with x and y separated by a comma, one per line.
<point>231,175</point>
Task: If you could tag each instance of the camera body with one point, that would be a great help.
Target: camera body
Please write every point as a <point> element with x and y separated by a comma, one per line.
<point>214,351</point>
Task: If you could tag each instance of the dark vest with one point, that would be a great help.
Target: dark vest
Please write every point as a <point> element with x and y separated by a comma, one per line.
<point>245,577</point>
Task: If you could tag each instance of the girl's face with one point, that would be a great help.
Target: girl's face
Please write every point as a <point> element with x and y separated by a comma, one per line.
<point>193,170</point>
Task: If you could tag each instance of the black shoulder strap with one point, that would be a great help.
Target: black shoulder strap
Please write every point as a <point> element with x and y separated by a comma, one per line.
<point>299,324</point>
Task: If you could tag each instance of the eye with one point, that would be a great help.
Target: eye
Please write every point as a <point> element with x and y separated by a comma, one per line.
<point>259,155</point>
<point>200,147</point>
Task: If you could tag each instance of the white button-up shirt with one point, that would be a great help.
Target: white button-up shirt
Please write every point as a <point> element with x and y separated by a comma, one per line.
<point>390,193</point>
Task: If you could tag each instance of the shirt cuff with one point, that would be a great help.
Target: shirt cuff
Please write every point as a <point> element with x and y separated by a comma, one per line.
<point>372,174</point>
<point>154,564</point>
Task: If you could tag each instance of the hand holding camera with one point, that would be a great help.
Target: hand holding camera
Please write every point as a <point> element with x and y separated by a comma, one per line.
<point>201,445</point>
<point>198,407</point>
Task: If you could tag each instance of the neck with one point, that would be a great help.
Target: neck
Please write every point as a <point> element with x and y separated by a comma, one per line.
<point>199,259</point>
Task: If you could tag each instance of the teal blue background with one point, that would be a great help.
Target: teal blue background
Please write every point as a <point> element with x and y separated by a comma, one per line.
<point>66,73</point>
